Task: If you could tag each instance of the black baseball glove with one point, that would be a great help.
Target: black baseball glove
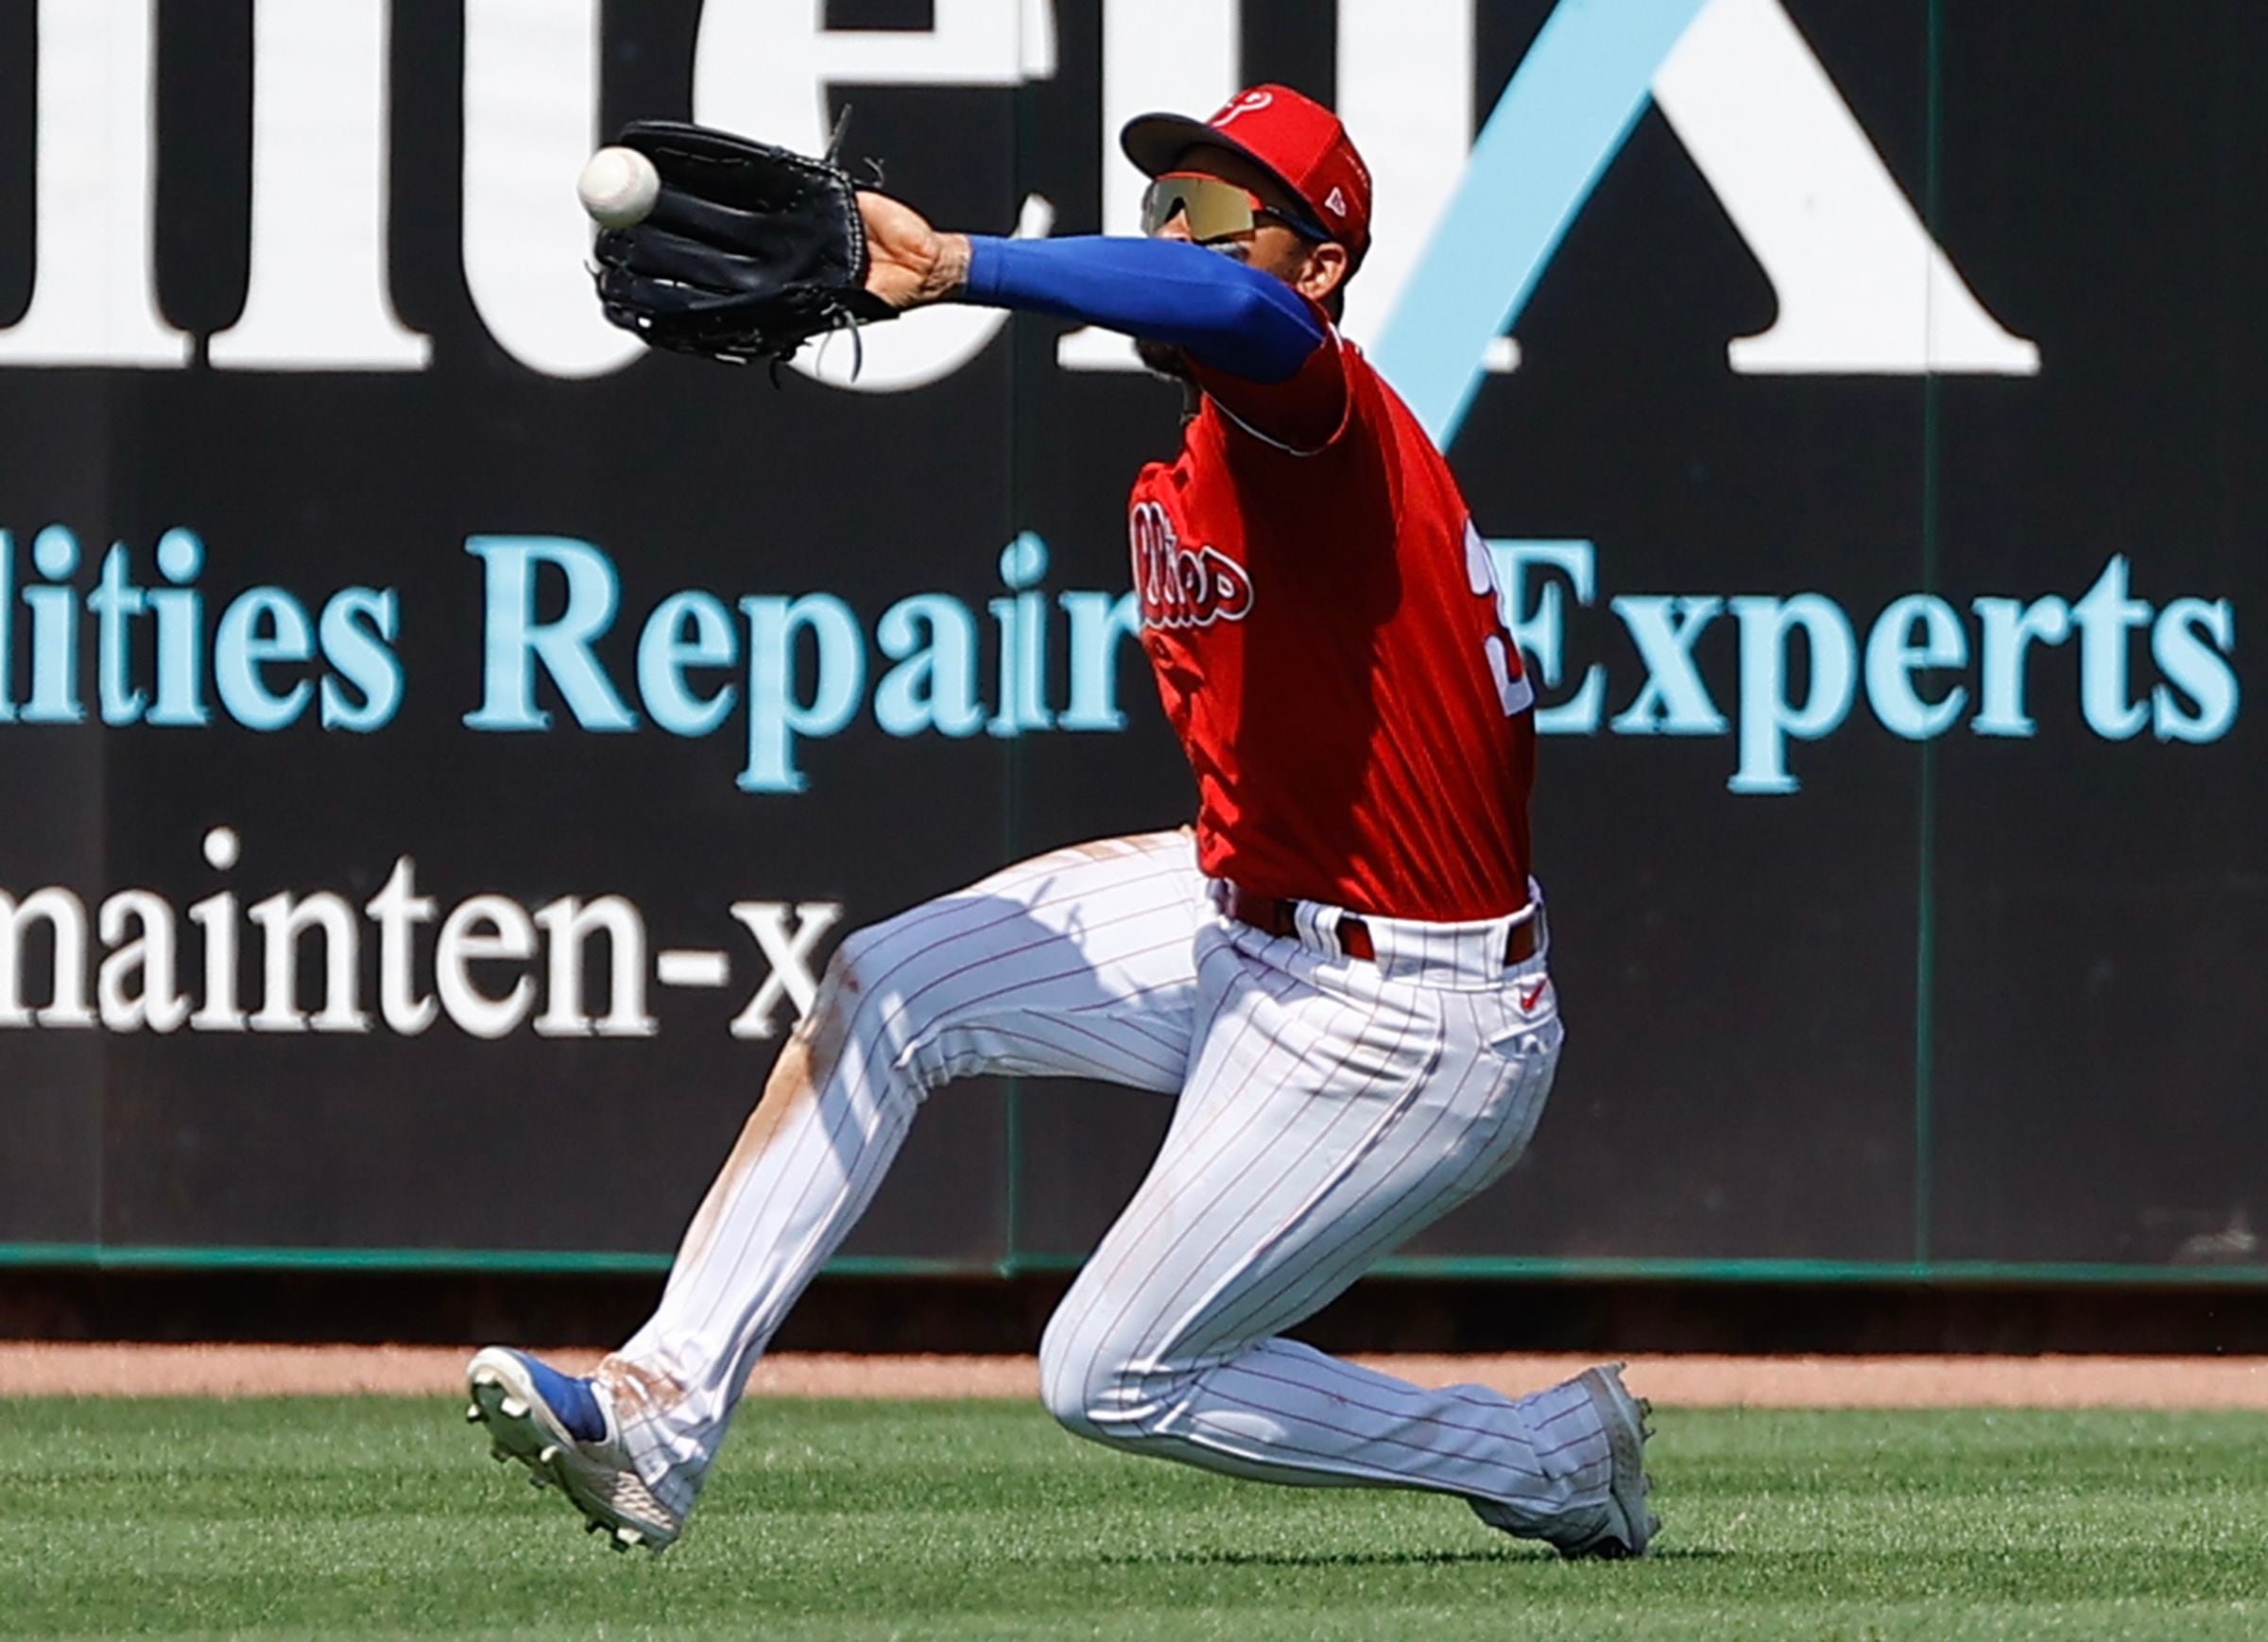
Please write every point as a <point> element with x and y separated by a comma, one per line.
<point>749,251</point>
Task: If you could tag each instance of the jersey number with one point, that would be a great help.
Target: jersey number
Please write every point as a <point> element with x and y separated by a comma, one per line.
<point>1512,686</point>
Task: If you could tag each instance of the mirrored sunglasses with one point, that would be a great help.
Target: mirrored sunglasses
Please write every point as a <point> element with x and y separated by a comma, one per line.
<point>1213,210</point>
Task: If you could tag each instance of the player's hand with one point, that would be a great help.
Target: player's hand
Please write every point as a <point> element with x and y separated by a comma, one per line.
<point>909,263</point>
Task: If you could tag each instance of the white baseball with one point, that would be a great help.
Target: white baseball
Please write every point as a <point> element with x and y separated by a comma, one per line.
<point>618,187</point>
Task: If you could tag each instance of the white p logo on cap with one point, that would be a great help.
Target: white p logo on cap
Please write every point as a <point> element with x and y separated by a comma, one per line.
<point>1245,103</point>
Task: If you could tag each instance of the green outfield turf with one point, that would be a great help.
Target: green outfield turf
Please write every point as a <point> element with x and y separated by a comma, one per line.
<point>981,1519</point>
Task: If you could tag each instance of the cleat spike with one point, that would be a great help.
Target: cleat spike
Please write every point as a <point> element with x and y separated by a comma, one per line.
<point>473,1415</point>
<point>512,1408</point>
<point>627,1537</point>
<point>594,1526</point>
<point>551,1452</point>
<point>485,1377</point>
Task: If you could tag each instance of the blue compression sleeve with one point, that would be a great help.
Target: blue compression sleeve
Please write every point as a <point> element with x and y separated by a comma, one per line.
<point>1229,316</point>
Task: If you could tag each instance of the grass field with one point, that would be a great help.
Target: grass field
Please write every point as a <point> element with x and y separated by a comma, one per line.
<point>382,1516</point>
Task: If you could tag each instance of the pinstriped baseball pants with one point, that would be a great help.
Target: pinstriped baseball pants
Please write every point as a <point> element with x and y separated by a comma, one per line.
<point>1328,1107</point>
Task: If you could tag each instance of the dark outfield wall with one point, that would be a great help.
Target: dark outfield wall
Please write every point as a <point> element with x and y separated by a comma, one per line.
<point>440,743</point>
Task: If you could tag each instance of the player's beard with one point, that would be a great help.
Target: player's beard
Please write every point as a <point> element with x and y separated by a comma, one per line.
<point>1163,359</point>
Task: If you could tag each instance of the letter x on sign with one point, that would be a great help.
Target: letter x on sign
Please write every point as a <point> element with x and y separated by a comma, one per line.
<point>788,952</point>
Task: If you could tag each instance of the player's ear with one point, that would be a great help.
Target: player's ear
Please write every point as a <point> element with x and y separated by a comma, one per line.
<point>1325,272</point>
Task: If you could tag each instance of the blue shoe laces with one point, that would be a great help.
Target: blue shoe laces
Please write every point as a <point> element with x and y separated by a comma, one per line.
<point>570,1397</point>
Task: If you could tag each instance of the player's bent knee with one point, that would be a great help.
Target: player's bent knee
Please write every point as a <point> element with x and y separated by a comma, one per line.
<point>875,959</point>
<point>848,1028</point>
<point>1064,1380</point>
<point>899,989</point>
<point>843,984</point>
<point>856,962</point>
<point>866,964</point>
<point>1094,1389</point>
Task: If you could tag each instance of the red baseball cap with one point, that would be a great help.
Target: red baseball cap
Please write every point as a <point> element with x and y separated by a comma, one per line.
<point>1293,138</point>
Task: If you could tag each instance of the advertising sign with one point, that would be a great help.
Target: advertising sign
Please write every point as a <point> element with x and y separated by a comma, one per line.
<point>443,740</point>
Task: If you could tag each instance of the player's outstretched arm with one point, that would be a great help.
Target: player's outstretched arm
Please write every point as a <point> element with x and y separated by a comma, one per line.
<point>909,263</point>
<point>1227,317</point>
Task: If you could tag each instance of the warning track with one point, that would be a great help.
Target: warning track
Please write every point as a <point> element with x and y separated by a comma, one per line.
<point>35,1369</point>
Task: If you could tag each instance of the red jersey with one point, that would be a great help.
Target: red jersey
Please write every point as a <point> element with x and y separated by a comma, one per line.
<point>1324,624</point>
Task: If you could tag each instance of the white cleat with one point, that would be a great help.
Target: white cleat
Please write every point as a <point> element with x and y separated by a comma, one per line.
<point>1628,1525</point>
<point>1631,1524</point>
<point>597,1477</point>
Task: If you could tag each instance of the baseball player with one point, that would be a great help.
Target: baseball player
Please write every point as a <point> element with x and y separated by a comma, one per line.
<point>1341,973</point>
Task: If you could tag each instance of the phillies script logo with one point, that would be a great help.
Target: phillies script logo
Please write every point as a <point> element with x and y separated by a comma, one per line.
<point>1183,587</point>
